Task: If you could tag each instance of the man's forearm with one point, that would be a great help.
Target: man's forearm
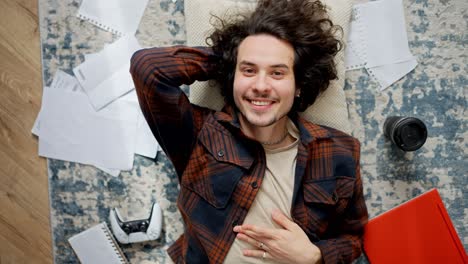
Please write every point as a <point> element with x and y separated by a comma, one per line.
<point>158,74</point>
<point>173,66</point>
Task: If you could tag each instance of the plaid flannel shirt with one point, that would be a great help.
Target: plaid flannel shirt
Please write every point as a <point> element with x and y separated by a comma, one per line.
<point>220,169</point>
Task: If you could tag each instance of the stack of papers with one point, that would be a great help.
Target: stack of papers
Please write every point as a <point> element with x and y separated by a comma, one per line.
<point>94,118</point>
<point>378,42</point>
<point>69,127</point>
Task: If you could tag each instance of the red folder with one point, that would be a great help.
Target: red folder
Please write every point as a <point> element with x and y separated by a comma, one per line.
<point>417,231</point>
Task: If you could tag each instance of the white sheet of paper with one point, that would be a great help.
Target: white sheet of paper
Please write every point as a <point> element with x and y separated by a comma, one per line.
<point>384,32</point>
<point>378,41</point>
<point>71,130</point>
<point>386,75</point>
<point>63,81</point>
<point>67,82</point>
<point>37,125</point>
<point>112,172</point>
<point>356,45</point>
<point>46,144</point>
<point>146,144</point>
<point>352,59</point>
<point>116,16</point>
<point>36,129</point>
<point>105,76</point>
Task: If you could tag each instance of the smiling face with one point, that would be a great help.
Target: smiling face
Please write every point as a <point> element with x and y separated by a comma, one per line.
<point>264,85</point>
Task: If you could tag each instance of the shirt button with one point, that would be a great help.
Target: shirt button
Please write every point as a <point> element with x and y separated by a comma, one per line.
<point>254,185</point>
<point>220,153</point>
<point>234,223</point>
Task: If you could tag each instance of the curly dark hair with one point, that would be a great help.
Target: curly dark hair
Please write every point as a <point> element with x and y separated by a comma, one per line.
<point>302,23</point>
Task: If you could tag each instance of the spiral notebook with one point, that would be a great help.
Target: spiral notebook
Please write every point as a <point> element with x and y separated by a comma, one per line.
<point>117,16</point>
<point>97,245</point>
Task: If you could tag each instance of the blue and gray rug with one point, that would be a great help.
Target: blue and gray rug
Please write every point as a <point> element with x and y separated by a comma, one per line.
<point>81,196</point>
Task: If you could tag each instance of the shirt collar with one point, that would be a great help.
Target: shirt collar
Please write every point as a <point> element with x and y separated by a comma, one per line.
<point>308,130</point>
<point>228,115</point>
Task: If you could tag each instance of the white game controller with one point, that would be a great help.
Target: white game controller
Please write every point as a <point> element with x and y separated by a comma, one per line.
<point>136,230</point>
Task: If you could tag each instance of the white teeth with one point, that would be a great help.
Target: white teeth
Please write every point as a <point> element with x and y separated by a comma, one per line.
<point>261,103</point>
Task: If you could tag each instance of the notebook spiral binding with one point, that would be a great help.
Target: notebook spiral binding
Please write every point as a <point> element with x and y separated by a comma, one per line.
<point>117,249</point>
<point>352,48</point>
<point>99,24</point>
<point>361,53</point>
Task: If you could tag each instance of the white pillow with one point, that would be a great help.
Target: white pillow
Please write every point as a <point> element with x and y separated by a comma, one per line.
<point>330,108</point>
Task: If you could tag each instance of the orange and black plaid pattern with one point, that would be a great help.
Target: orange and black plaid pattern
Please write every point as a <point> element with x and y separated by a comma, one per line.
<point>220,170</point>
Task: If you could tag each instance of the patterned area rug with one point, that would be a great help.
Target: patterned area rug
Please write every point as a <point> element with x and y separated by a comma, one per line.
<point>81,196</point>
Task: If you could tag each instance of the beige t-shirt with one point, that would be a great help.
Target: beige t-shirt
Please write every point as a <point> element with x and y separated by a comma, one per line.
<point>275,192</point>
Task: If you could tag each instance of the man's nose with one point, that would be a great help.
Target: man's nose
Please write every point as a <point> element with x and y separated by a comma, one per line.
<point>262,83</point>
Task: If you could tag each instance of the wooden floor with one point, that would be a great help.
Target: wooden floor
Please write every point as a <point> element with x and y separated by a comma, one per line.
<point>24,206</point>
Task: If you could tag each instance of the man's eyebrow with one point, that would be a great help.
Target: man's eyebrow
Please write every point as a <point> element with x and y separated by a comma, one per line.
<point>280,65</point>
<point>248,63</point>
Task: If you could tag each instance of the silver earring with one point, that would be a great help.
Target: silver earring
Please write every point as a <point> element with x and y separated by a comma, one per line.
<point>298,93</point>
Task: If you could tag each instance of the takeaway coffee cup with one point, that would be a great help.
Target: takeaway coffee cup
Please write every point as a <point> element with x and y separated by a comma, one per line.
<point>407,133</point>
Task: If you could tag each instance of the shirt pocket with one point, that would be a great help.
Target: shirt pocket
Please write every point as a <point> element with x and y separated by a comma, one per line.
<point>216,187</point>
<point>329,193</point>
<point>216,167</point>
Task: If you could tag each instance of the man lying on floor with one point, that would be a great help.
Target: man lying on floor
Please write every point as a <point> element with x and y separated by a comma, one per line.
<point>258,183</point>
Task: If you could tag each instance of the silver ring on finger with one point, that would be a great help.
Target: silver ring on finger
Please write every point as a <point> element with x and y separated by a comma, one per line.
<point>264,255</point>
<point>261,245</point>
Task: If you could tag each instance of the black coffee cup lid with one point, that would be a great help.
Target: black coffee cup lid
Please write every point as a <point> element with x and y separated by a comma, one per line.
<point>410,134</point>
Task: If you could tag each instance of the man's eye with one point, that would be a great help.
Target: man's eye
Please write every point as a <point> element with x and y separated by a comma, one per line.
<point>278,73</point>
<point>248,71</point>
